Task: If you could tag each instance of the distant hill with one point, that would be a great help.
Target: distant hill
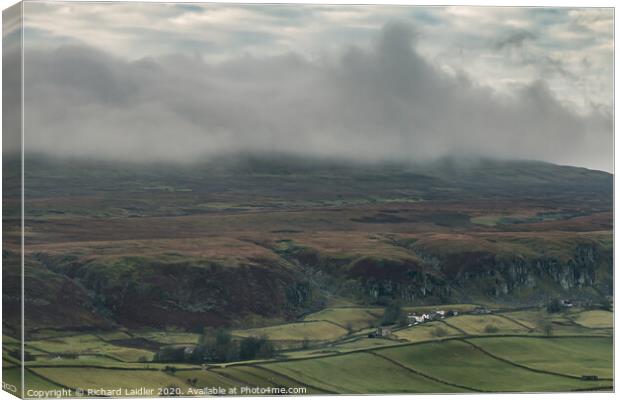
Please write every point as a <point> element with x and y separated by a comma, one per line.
<point>238,239</point>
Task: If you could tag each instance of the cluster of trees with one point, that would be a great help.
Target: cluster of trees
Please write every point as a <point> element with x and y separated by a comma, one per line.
<point>554,306</point>
<point>394,314</point>
<point>219,346</point>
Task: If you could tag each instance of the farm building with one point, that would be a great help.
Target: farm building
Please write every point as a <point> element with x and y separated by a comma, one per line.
<point>566,303</point>
<point>381,331</point>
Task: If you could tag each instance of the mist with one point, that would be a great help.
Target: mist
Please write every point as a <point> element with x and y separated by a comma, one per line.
<point>384,102</point>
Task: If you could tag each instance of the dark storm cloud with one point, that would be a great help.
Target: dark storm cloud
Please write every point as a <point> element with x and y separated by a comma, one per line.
<point>386,102</point>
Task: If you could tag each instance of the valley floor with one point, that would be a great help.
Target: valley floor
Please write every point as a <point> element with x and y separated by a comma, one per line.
<point>507,350</point>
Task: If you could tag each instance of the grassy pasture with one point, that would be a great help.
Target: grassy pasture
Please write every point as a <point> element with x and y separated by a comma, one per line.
<point>51,333</point>
<point>358,373</point>
<point>340,347</point>
<point>86,360</point>
<point>460,363</point>
<point>129,354</point>
<point>309,353</point>
<point>428,331</point>
<point>259,377</point>
<point>595,319</point>
<point>477,324</point>
<point>9,340</point>
<point>110,379</point>
<point>114,335</point>
<point>297,331</point>
<point>568,323</point>
<point>241,377</point>
<point>7,363</point>
<point>255,377</point>
<point>357,318</point>
<point>274,379</point>
<point>205,379</point>
<point>13,375</point>
<point>171,337</point>
<point>68,344</point>
<point>532,318</point>
<point>363,343</point>
<point>573,356</point>
<point>89,343</point>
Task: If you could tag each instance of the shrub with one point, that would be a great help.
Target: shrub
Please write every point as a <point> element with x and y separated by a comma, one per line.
<point>251,348</point>
<point>266,350</point>
<point>440,331</point>
<point>170,369</point>
<point>491,329</point>
<point>216,346</point>
<point>554,306</point>
<point>219,346</point>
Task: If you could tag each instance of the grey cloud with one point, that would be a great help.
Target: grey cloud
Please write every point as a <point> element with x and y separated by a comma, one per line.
<point>385,102</point>
<point>513,39</point>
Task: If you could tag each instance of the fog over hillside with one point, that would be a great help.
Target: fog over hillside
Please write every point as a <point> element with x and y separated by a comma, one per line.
<point>374,102</point>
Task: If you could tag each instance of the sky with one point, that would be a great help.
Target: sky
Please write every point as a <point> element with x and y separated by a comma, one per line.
<point>185,82</point>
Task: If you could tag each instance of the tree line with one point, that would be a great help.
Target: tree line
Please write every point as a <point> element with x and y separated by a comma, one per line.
<point>218,345</point>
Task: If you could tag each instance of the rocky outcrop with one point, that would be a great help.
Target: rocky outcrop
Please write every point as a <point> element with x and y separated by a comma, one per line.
<point>478,274</point>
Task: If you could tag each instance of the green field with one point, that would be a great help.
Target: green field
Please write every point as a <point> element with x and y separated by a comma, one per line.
<point>110,379</point>
<point>170,337</point>
<point>428,331</point>
<point>313,331</point>
<point>275,379</point>
<point>32,380</point>
<point>348,317</point>
<point>88,344</point>
<point>572,322</point>
<point>572,356</point>
<point>358,373</point>
<point>486,324</point>
<point>595,319</point>
<point>362,343</point>
<point>206,379</point>
<point>86,360</point>
<point>460,363</point>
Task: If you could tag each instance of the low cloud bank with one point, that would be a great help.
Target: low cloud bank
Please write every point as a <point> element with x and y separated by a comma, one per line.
<point>382,103</point>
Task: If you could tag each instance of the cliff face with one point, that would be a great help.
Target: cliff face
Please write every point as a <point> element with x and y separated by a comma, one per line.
<point>470,275</point>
